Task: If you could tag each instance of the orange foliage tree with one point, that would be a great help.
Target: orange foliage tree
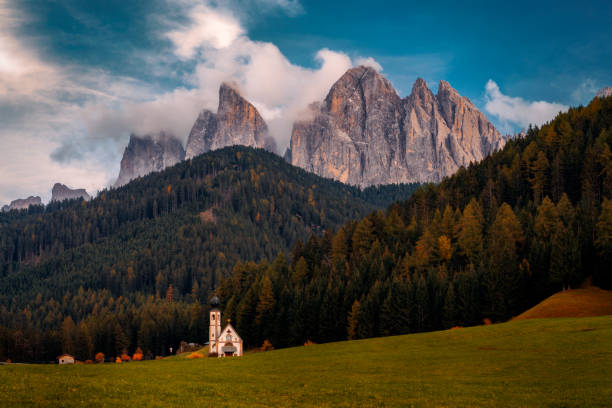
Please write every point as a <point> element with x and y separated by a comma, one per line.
<point>138,356</point>
<point>99,358</point>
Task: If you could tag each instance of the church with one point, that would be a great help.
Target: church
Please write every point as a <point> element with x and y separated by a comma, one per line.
<point>226,342</point>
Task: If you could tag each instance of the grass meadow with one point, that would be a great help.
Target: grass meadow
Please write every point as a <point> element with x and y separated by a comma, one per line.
<point>563,362</point>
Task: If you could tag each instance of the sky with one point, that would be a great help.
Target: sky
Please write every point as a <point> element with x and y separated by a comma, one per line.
<point>78,77</point>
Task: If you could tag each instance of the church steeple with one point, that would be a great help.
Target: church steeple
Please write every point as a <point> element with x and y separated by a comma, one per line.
<point>214,330</point>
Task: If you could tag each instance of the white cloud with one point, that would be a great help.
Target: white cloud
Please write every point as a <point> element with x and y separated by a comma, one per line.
<point>516,110</point>
<point>206,27</point>
<point>70,124</point>
<point>278,88</point>
<point>369,62</point>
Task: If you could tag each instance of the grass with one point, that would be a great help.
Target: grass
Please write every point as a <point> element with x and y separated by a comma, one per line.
<point>527,363</point>
<point>585,302</point>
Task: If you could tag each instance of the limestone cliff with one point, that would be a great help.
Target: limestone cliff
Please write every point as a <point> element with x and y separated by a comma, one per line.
<point>237,122</point>
<point>365,134</point>
<point>60,192</point>
<point>146,154</point>
<point>22,203</point>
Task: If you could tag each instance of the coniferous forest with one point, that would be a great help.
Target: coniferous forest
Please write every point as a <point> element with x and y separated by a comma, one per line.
<point>134,266</point>
<point>487,243</point>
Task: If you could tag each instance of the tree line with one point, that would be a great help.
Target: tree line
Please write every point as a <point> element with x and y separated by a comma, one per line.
<point>183,228</point>
<point>486,243</point>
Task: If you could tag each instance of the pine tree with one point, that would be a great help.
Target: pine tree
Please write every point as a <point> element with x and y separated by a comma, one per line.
<point>84,344</point>
<point>69,334</point>
<point>450,307</point>
<point>354,318</point>
<point>470,232</point>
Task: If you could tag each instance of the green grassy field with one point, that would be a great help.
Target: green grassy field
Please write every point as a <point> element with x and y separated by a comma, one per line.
<point>539,363</point>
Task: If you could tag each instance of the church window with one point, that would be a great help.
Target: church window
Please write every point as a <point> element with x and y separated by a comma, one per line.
<point>213,317</point>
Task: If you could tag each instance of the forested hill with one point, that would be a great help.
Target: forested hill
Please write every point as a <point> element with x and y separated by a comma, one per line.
<point>172,235</point>
<point>488,242</point>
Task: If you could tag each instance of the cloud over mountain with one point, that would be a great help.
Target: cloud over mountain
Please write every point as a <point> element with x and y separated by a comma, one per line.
<point>516,110</point>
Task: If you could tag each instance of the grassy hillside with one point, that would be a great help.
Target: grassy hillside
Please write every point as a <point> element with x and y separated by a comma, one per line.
<point>543,362</point>
<point>589,301</point>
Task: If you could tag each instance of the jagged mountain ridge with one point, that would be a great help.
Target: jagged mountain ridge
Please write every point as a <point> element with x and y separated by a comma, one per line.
<point>146,154</point>
<point>22,203</point>
<point>237,122</point>
<point>364,134</point>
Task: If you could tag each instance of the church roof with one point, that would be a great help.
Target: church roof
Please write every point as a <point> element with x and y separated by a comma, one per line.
<point>230,327</point>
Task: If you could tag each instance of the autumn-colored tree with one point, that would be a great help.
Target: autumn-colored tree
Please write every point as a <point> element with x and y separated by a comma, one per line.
<point>69,334</point>
<point>354,318</point>
<point>424,251</point>
<point>363,236</point>
<point>470,229</point>
<point>170,294</point>
<point>138,355</point>
<point>267,346</point>
<point>339,249</point>
<point>445,249</point>
<point>300,271</point>
<point>99,358</point>
<point>546,220</point>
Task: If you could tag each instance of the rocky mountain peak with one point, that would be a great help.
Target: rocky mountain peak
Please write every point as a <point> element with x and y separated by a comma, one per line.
<point>145,154</point>
<point>22,203</point>
<point>604,92</point>
<point>237,122</point>
<point>421,92</point>
<point>61,192</point>
<point>364,134</point>
<point>229,97</point>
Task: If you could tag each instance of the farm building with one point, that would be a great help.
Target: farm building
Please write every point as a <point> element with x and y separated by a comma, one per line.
<point>223,342</point>
<point>65,359</point>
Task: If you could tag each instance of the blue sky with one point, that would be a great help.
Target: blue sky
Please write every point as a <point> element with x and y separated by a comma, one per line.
<point>76,77</point>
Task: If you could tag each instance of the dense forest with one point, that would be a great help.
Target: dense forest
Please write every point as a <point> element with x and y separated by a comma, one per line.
<point>487,243</point>
<point>131,267</point>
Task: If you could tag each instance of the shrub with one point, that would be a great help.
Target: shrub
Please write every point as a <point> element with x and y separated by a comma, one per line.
<point>118,360</point>
<point>88,362</point>
<point>213,355</point>
<point>267,346</point>
<point>486,321</point>
<point>309,343</point>
<point>138,356</point>
<point>99,358</point>
<point>195,354</point>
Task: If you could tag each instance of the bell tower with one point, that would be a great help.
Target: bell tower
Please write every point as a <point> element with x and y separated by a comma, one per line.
<point>214,330</point>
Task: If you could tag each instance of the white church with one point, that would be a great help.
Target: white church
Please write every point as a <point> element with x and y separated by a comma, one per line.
<point>226,342</point>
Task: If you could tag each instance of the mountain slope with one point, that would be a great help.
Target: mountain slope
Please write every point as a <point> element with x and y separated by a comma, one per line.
<point>365,134</point>
<point>489,242</point>
<point>171,235</point>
